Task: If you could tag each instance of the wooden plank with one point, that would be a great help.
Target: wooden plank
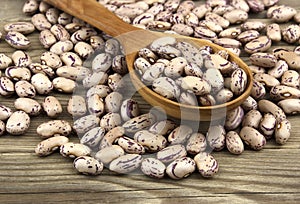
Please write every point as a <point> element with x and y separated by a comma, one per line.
<point>270,175</point>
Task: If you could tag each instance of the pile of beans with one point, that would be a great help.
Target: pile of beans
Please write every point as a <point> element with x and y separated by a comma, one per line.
<point>113,132</point>
<point>194,76</point>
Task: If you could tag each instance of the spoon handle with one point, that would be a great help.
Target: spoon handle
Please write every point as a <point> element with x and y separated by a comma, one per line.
<point>95,14</point>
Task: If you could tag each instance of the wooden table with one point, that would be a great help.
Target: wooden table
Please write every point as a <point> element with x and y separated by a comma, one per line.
<point>270,175</point>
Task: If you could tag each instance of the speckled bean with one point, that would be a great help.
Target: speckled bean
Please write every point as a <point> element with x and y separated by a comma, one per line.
<point>50,145</point>
<point>205,33</point>
<point>5,61</point>
<point>215,137</point>
<point>21,59</point>
<point>108,154</point>
<point>111,136</point>
<point>40,22</point>
<point>291,78</point>
<point>130,146</point>
<point>266,106</point>
<point>238,81</point>
<point>281,92</point>
<point>93,137</point>
<point>291,33</point>
<point>53,128</point>
<point>260,44</point>
<point>126,163</point>
<point>110,120</point>
<point>47,38</point>
<point>30,7</point>
<point>181,168</point>
<point>74,150</point>
<point>291,58</point>
<point>88,165</point>
<point>77,73</point>
<point>266,60</point>
<point>60,32</point>
<point>52,15</point>
<point>252,119</point>
<point>163,127</point>
<point>171,153</point>
<point>206,164</point>
<point>18,123</point>
<point>28,105</point>
<point>71,59</point>
<point>52,106</point>
<point>51,59</point>
<point>5,112</point>
<point>18,73</point>
<point>253,138</point>
<point>253,25</point>
<point>236,16</point>
<point>95,105</point>
<point>83,49</point>
<point>273,31</point>
<point>196,85</point>
<point>223,96</point>
<point>267,125</point>
<point>280,67</point>
<point>258,90</point>
<point>41,83</point>
<point>40,68</point>
<point>282,131</point>
<point>153,167</point>
<point>151,142</point>
<point>266,79</point>
<point>290,106</point>
<point>82,34</point>
<point>281,13</point>
<point>21,27</point>
<point>61,46</point>
<point>234,143</point>
<point>85,123</point>
<point>77,106</point>
<point>234,118</point>
<point>180,134</point>
<point>64,85</point>
<point>17,40</point>
<point>182,29</point>
<point>249,104</point>
<point>6,86</point>
<point>113,102</point>
<point>218,19</point>
<point>196,143</point>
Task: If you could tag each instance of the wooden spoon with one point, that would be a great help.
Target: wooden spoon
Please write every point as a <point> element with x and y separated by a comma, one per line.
<point>132,40</point>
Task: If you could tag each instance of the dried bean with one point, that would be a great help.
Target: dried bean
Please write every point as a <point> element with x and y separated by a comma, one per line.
<point>74,150</point>
<point>88,165</point>
<point>17,40</point>
<point>110,153</point>
<point>21,27</point>
<point>181,168</point>
<point>153,167</point>
<point>126,163</point>
<point>28,105</point>
<point>18,123</point>
<point>234,143</point>
<point>93,137</point>
<point>52,106</point>
<point>206,164</point>
<point>50,145</point>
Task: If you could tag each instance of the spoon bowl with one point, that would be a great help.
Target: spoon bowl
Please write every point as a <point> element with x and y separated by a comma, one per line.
<point>133,39</point>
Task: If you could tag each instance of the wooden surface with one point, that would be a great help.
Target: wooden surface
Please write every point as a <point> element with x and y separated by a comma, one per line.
<point>268,176</point>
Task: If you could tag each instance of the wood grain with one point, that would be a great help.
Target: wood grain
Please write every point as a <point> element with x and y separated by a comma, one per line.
<point>268,176</point>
